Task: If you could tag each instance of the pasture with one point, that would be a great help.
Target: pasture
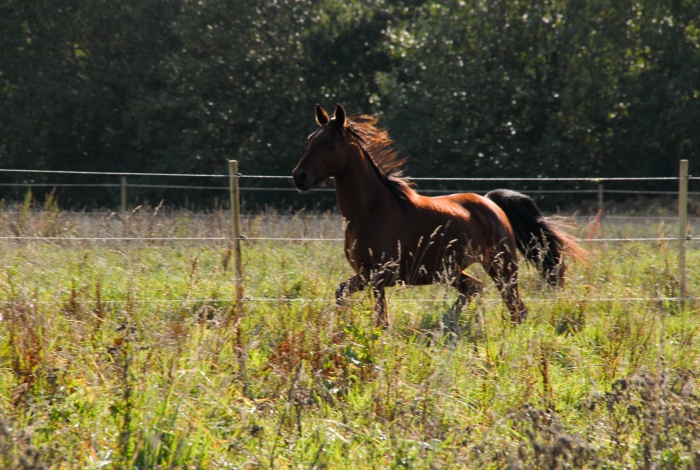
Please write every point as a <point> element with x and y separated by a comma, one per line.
<point>148,354</point>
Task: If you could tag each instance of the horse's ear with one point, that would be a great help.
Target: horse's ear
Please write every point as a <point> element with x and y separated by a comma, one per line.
<point>339,115</point>
<point>321,116</point>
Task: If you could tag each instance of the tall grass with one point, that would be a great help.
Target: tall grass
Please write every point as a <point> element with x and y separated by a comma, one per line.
<point>147,355</point>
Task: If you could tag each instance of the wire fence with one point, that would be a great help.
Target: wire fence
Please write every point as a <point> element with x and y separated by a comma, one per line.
<point>599,191</point>
<point>329,300</point>
<point>242,176</point>
<point>291,239</point>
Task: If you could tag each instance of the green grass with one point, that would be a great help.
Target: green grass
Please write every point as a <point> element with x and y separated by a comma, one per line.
<point>150,355</point>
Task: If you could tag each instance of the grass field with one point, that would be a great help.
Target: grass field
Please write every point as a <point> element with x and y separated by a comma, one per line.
<point>148,354</point>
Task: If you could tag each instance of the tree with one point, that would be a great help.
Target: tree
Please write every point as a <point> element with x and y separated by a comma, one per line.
<point>577,88</point>
<point>482,88</point>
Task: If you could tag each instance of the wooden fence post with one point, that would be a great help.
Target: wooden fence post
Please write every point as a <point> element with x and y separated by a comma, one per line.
<point>683,226</point>
<point>601,207</point>
<point>124,193</point>
<point>235,214</point>
<point>240,343</point>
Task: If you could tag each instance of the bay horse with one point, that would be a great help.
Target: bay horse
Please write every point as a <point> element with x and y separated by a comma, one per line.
<point>393,234</point>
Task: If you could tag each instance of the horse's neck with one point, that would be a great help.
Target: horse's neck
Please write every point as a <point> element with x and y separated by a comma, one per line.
<point>359,189</point>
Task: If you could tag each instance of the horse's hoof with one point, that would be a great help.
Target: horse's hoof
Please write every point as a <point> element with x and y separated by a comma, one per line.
<point>340,295</point>
<point>518,318</point>
<point>382,323</point>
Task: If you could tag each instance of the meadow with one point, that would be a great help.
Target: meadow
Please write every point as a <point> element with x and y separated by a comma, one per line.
<point>151,354</point>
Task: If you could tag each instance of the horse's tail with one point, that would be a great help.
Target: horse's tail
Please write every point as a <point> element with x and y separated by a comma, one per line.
<point>540,239</point>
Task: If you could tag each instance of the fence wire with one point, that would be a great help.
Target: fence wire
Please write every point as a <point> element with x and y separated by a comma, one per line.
<point>233,300</point>
<point>291,239</point>
<point>596,180</point>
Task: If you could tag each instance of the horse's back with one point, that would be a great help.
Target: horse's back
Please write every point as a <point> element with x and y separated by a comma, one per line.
<point>467,217</point>
<point>471,208</point>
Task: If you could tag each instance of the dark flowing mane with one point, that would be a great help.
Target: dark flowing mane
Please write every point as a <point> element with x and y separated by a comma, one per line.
<point>377,144</point>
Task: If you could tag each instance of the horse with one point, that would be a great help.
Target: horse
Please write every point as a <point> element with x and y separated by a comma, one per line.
<point>395,235</point>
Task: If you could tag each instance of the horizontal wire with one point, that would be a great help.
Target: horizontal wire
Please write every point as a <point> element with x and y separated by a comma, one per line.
<point>196,175</point>
<point>653,239</point>
<point>65,185</point>
<point>177,239</point>
<point>110,173</point>
<point>273,239</point>
<point>124,239</point>
<point>299,239</point>
<point>585,179</point>
<point>329,190</point>
<point>333,300</point>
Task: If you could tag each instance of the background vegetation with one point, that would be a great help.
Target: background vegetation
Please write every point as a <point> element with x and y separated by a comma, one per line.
<point>467,88</point>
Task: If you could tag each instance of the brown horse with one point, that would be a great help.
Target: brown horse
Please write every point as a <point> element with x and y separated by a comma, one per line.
<point>393,234</point>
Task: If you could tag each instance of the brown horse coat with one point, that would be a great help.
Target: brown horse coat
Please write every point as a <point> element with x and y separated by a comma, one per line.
<point>393,234</point>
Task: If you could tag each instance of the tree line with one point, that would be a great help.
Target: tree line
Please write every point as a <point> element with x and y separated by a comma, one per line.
<point>482,88</point>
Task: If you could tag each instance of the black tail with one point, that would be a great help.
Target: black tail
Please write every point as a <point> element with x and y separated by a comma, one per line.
<point>538,238</point>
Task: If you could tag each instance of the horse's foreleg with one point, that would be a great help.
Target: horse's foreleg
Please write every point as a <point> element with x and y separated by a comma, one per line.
<point>381,314</point>
<point>349,287</point>
<point>382,278</point>
<point>468,287</point>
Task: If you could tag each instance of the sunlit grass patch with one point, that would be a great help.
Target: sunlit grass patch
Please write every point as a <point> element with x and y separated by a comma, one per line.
<point>143,355</point>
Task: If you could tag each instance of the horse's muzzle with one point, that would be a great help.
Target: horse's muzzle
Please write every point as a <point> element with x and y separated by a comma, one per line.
<point>301,180</point>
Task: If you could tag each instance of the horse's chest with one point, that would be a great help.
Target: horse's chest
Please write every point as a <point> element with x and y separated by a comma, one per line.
<point>367,246</point>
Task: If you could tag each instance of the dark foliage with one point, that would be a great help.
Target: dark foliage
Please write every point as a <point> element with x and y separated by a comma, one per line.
<point>498,88</point>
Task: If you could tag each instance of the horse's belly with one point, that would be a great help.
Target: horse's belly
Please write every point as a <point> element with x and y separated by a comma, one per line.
<point>434,264</point>
<point>412,259</point>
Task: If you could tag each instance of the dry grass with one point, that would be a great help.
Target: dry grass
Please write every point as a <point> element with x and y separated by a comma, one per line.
<point>147,354</point>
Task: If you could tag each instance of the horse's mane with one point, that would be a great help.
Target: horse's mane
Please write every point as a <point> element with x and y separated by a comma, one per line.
<point>385,159</point>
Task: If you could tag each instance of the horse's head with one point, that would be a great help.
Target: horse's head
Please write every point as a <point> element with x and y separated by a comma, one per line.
<point>326,154</point>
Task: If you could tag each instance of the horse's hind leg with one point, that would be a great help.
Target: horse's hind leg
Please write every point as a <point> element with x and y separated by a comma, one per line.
<point>503,269</point>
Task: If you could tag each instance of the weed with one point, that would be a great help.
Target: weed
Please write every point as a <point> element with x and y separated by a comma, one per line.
<point>127,354</point>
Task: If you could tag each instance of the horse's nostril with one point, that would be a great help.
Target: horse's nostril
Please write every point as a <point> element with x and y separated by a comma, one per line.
<point>301,180</point>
